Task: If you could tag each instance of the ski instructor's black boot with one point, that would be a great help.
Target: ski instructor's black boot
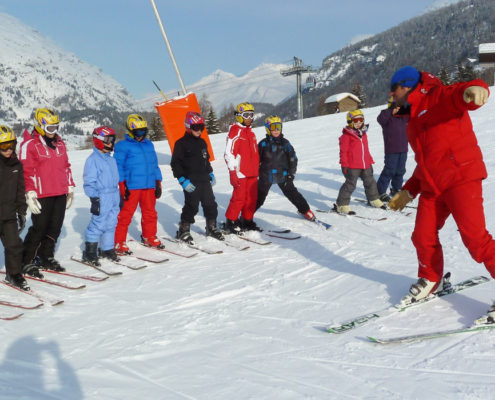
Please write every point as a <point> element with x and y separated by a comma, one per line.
<point>90,255</point>
<point>212,230</point>
<point>109,255</point>
<point>51,264</point>
<point>18,281</point>
<point>184,233</point>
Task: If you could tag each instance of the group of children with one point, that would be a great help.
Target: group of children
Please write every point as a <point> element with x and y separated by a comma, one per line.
<point>42,181</point>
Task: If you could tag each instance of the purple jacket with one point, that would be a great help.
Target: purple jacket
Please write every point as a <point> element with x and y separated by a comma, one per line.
<point>394,132</point>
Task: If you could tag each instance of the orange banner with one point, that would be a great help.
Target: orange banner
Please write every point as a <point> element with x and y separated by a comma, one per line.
<point>173,112</point>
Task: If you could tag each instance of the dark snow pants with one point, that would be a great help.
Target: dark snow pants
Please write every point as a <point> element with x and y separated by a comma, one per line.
<point>12,244</point>
<point>393,170</point>
<point>43,234</point>
<point>204,194</point>
<point>289,191</point>
<point>349,185</point>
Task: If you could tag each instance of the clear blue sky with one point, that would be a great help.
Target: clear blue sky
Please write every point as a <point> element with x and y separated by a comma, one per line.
<point>122,36</point>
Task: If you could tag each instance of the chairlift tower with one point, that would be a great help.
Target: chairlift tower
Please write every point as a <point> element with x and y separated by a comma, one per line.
<point>298,69</point>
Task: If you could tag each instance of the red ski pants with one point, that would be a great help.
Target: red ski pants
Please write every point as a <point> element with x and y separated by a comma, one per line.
<point>147,201</point>
<point>243,200</point>
<point>465,203</point>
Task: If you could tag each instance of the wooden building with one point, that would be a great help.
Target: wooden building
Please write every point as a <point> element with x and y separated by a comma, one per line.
<point>342,102</point>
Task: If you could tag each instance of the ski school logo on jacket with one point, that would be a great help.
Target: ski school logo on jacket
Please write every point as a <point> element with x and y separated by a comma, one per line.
<point>205,154</point>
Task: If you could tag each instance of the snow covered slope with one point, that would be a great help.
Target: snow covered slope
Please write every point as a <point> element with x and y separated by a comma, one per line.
<point>35,72</point>
<point>437,4</point>
<point>249,325</point>
<point>264,84</point>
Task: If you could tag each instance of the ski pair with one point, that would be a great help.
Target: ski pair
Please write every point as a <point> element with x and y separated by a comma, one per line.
<point>349,215</point>
<point>49,281</point>
<point>42,297</point>
<point>448,289</point>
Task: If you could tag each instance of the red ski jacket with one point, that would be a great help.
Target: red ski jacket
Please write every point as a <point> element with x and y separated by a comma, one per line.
<point>441,134</point>
<point>354,151</point>
<point>46,171</point>
<point>241,153</point>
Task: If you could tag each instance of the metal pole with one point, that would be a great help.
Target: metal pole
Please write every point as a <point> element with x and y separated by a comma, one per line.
<point>299,97</point>
<point>169,48</point>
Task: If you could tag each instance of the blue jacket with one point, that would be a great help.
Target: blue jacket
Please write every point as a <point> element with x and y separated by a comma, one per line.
<point>138,164</point>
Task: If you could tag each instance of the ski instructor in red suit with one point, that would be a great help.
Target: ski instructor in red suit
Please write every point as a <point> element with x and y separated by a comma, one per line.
<point>449,170</point>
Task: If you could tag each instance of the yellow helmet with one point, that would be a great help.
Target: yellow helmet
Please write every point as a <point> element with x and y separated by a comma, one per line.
<point>136,126</point>
<point>6,134</point>
<point>242,108</point>
<point>273,122</point>
<point>44,117</point>
<point>390,101</point>
<point>351,115</point>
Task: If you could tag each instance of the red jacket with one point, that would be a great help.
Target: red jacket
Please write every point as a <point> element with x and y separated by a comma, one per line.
<point>241,153</point>
<point>46,171</point>
<point>354,151</point>
<point>441,134</point>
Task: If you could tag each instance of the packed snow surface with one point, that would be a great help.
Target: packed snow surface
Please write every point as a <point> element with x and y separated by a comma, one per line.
<point>250,325</point>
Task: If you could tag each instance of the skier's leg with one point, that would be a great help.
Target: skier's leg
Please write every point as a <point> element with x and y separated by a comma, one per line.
<point>249,207</point>
<point>210,206</point>
<point>12,244</point>
<point>398,178</point>
<point>111,211</point>
<point>296,198</point>
<point>149,218</point>
<point>430,218</point>
<point>345,192</point>
<point>263,189</point>
<point>125,216</point>
<point>388,173</point>
<point>369,184</point>
<point>237,201</point>
<point>191,204</point>
<point>466,204</point>
<point>54,228</point>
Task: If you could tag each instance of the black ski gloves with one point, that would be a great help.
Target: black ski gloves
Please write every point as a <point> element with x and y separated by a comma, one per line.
<point>124,190</point>
<point>21,219</point>
<point>95,206</point>
<point>158,189</point>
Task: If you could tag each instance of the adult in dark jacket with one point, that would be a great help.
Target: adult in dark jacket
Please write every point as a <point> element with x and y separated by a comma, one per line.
<point>13,207</point>
<point>278,165</point>
<point>395,140</point>
<point>448,174</point>
<point>191,166</point>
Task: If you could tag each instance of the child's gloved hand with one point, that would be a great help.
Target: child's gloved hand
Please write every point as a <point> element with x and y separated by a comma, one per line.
<point>95,206</point>
<point>345,170</point>
<point>158,189</point>
<point>186,184</point>
<point>234,179</point>
<point>124,190</point>
<point>213,180</point>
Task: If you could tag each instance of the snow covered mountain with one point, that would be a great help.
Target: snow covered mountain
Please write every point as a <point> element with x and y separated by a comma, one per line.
<point>35,72</point>
<point>263,84</point>
<point>437,4</point>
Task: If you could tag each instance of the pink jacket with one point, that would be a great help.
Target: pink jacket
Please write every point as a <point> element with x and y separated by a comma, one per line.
<point>354,151</point>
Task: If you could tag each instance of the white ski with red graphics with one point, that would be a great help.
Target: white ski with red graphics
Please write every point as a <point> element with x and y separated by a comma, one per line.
<point>448,288</point>
<point>193,246</point>
<point>43,297</point>
<point>106,272</point>
<point>176,252</point>
<point>55,283</point>
<point>229,241</point>
<point>243,235</point>
<point>21,305</point>
<point>75,275</point>
<point>351,215</point>
<point>6,317</point>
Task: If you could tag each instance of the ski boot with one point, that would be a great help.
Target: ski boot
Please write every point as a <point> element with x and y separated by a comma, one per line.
<point>212,230</point>
<point>233,227</point>
<point>423,288</point>
<point>184,233</point>
<point>18,281</point>
<point>385,198</point>
<point>51,264</point>
<point>90,255</point>
<point>109,255</point>
<point>32,269</point>
<point>489,318</point>
<point>343,210</point>
<point>153,242</point>
<point>310,216</point>
<point>377,204</point>
<point>121,248</point>
<point>249,225</point>
<point>393,192</point>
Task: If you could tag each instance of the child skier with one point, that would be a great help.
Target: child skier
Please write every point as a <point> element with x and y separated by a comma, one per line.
<point>13,207</point>
<point>356,161</point>
<point>191,166</point>
<point>101,185</point>
<point>278,165</point>
<point>139,183</point>
<point>49,191</point>
<point>242,158</point>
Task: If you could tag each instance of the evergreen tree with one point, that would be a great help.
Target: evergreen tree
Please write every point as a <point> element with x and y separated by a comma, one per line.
<point>205,104</point>
<point>444,76</point>
<point>469,73</point>
<point>358,91</point>
<point>211,122</point>
<point>459,73</point>
<point>156,131</point>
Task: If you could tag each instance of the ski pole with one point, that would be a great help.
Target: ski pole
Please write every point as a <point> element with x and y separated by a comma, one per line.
<point>160,90</point>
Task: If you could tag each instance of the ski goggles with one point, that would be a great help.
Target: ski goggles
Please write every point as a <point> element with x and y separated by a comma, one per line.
<point>394,87</point>
<point>247,115</point>
<point>357,119</point>
<point>197,127</point>
<point>109,139</point>
<point>140,132</point>
<point>277,126</point>
<point>51,129</point>
<point>7,146</point>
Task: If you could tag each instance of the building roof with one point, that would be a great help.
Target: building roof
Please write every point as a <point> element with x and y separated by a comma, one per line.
<point>341,96</point>
<point>487,48</point>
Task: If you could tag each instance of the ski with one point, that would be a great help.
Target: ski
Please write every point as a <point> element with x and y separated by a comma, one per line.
<point>449,289</point>
<point>19,305</point>
<point>109,273</point>
<point>228,242</point>
<point>193,246</point>
<point>387,209</point>
<point>49,281</point>
<point>7,317</point>
<point>79,276</point>
<point>353,216</point>
<point>282,234</point>
<point>40,296</point>
<point>175,252</point>
<point>138,264</point>
<point>476,327</point>
<point>317,222</point>
<point>242,235</point>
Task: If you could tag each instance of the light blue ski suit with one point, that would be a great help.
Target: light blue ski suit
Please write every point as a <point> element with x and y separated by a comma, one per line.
<point>101,179</point>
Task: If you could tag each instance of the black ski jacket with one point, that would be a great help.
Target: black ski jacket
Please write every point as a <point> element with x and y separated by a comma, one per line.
<point>12,192</point>
<point>277,159</point>
<point>190,159</point>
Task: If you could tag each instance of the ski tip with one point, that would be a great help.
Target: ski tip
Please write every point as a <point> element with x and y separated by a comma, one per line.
<point>372,339</point>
